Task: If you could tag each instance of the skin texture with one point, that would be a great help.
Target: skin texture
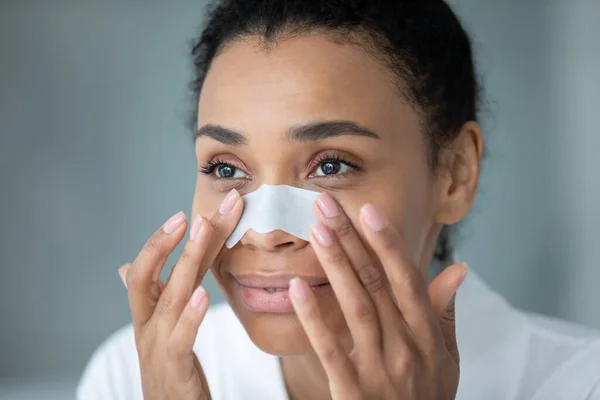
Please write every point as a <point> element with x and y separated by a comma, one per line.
<point>379,331</point>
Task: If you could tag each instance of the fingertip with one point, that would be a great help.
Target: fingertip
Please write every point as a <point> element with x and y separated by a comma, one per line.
<point>199,298</point>
<point>123,273</point>
<point>298,290</point>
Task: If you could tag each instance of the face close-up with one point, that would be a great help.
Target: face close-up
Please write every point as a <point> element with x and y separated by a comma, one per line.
<point>322,116</point>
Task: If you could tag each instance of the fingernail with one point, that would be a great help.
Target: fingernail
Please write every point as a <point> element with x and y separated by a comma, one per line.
<point>198,297</point>
<point>372,217</point>
<point>196,225</point>
<point>229,201</point>
<point>327,205</point>
<point>322,234</point>
<point>297,290</point>
<point>121,271</point>
<point>173,223</point>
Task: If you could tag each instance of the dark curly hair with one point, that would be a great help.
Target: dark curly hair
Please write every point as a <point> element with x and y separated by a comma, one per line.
<point>421,41</point>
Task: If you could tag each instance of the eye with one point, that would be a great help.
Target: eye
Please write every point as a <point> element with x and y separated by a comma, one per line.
<point>229,171</point>
<point>334,165</point>
<point>223,170</point>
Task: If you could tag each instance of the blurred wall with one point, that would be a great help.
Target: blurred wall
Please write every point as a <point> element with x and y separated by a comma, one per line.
<point>94,156</point>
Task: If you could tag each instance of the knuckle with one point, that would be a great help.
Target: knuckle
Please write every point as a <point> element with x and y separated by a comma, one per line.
<point>154,244</point>
<point>336,258</point>
<point>449,314</point>
<point>343,230</point>
<point>365,312</point>
<point>187,254</point>
<point>401,367</point>
<point>174,351</point>
<point>167,303</point>
<point>414,284</point>
<point>371,277</point>
<point>144,349</point>
<point>331,354</point>
<point>387,239</point>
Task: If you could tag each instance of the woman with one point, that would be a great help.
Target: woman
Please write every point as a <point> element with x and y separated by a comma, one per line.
<point>372,104</point>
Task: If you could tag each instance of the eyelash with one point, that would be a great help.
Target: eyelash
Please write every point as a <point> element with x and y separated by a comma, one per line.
<point>213,164</point>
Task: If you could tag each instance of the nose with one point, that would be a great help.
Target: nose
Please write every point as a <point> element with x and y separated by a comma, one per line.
<point>276,240</point>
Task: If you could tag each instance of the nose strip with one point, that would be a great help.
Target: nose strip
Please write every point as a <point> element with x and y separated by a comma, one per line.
<point>272,207</point>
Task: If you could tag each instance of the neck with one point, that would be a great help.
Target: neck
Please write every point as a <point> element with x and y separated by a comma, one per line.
<point>305,378</point>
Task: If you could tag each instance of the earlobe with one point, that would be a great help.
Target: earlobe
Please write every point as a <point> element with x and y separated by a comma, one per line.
<point>459,178</point>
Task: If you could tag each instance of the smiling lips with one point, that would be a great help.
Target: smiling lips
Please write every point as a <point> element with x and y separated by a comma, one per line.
<point>263,293</point>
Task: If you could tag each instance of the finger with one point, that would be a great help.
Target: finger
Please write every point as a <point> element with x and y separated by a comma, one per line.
<point>407,284</point>
<point>365,265</point>
<point>123,273</point>
<point>205,242</point>
<point>442,292</point>
<point>357,306</point>
<point>180,368</point>
<point>222,224</point>
<point>338,366</point>
<point>142,289</point>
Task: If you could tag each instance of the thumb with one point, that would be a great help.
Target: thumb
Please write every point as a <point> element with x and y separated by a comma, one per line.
<point>442,293</point>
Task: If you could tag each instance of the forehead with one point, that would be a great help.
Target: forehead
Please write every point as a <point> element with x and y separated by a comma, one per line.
<point>299,80</point>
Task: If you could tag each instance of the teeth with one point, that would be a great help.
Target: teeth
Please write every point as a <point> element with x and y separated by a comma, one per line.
<point>273,290</point>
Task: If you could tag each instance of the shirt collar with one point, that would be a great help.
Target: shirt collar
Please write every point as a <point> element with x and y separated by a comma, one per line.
<point>492,339</point>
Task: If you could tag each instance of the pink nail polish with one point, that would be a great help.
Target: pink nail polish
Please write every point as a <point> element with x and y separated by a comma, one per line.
<point>297,290</point>
<point>327,205</point>
<point>173,223</point>
<point>372,217</point>
<point>228,203</point>
<point>322,234</point>
<point>196,225</point>
<point>198,297</point>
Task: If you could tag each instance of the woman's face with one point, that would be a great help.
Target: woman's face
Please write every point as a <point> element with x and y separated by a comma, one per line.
<point>267,96</point>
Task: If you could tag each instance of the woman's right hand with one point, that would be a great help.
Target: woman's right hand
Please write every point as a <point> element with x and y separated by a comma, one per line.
<point>166,316</point>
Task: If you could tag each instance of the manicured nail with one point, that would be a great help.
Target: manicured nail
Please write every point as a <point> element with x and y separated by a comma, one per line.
<point>122,274</point>
<point>297,290</point>
<point>327,205</point>
<point>196,226</point>
<point>372,217</point>
<point>229,201</point>
<point>173,223</point>
<point>198,297</point>
<point>322,234</point>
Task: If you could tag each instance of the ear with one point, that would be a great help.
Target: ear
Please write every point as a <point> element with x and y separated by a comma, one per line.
<point>458,174</point>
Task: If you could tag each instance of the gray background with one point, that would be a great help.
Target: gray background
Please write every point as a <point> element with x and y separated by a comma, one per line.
<point>94,156</point>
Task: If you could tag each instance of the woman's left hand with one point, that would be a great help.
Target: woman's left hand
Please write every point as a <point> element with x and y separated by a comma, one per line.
<point>404,337</point>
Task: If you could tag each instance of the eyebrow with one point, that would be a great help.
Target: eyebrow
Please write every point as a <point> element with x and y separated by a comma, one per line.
<point>299,133</point>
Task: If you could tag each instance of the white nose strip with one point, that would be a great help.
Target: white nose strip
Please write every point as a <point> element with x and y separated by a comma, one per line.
<point>273,207</point>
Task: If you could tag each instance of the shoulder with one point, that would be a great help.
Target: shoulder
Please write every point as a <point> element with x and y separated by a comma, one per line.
<point>113,369</point>
<point>113,372</point>
<point>563,358</point>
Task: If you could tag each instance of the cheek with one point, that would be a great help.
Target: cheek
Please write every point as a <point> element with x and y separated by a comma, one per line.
<point>407,210</point>
<point>206,202</point>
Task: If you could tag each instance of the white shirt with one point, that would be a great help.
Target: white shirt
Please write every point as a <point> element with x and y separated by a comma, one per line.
<point>506,354</point>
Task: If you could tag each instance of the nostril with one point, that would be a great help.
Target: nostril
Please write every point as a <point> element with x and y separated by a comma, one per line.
<point>286,244</point>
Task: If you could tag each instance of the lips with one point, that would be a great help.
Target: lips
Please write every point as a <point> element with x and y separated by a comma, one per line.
<point>263,293</point>
<point>276,281</point>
